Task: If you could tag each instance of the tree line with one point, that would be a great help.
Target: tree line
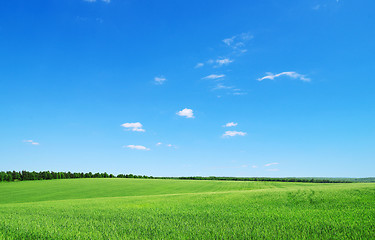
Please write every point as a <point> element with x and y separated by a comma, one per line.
<point>266,179</point>
<point>10,176</point>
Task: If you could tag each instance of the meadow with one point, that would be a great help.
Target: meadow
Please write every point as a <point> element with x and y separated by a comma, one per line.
<point>185,209</point>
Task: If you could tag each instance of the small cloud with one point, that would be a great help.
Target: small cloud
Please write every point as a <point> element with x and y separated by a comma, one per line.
<point>231,90</point>
<point>135,127</point>
<point>31,142</point>
<point>199,65</point>
<point>236,45</point>
<point>137,147</point>
<point>316,7</point>
<point>273,170</point>
<point>159,80</point>
<point>238,42</point>
<point>233,133</point>
<point>239,93</point>
<point>229,41</point>
<point>210,61</point>
<point>293,75</point>
<point>230,124</point>
<point>167,145</point>
<point>224,61</point>
<point>214,76</point>
<point>221,61</point>
<point>172,146</point>
<point>270,164</point>
<point>186,112</point>
<point>221,86</point>
<point>254,166</point>
<point>245,36</point>
<point>106,1</point>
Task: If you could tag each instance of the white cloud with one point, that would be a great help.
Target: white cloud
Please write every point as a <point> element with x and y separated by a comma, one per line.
<point>31,142</point>
<point>137,147</point>
<point>236,45</point>
<point>316,7</point>
<point>270,164</point>
<point>245,36</point>
<point>135,127</point>
<point>172,146</point>
<point>167,145</point>
<point>199,65</point>
<point>224,61</point>
<point>221,86</point>
<point>231,90</point>
<point>233,133</point>
<point>254,166</point>
<point>160,80</point>
<point>239,93</point>
<point>186,112</point>
<point>293,75</point>
<point>238,42</point>
<point>210,61</point>
<point>221,61</point>
<point>229,41</point>
<point>230,124</point>
<point>214,76</point>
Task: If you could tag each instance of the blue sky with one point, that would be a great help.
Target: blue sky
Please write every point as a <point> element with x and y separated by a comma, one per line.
<point>181,88</point>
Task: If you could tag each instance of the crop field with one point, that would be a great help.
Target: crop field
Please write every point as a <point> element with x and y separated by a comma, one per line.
<point>185,209</point>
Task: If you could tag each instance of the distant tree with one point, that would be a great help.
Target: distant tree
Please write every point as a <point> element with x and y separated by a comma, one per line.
<point>9,176</point>
<point>3,176</point>
<point>16,176</point>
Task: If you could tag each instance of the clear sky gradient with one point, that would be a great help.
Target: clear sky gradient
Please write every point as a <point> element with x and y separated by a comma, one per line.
<point>182,88</point>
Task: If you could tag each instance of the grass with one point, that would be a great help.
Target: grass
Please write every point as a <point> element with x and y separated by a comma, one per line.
<point>176,209</point>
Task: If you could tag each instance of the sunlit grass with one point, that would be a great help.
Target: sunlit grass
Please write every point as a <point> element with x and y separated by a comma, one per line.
<point>173,209</point>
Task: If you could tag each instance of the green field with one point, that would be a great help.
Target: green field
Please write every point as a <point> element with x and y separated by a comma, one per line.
<point>179,209</point>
